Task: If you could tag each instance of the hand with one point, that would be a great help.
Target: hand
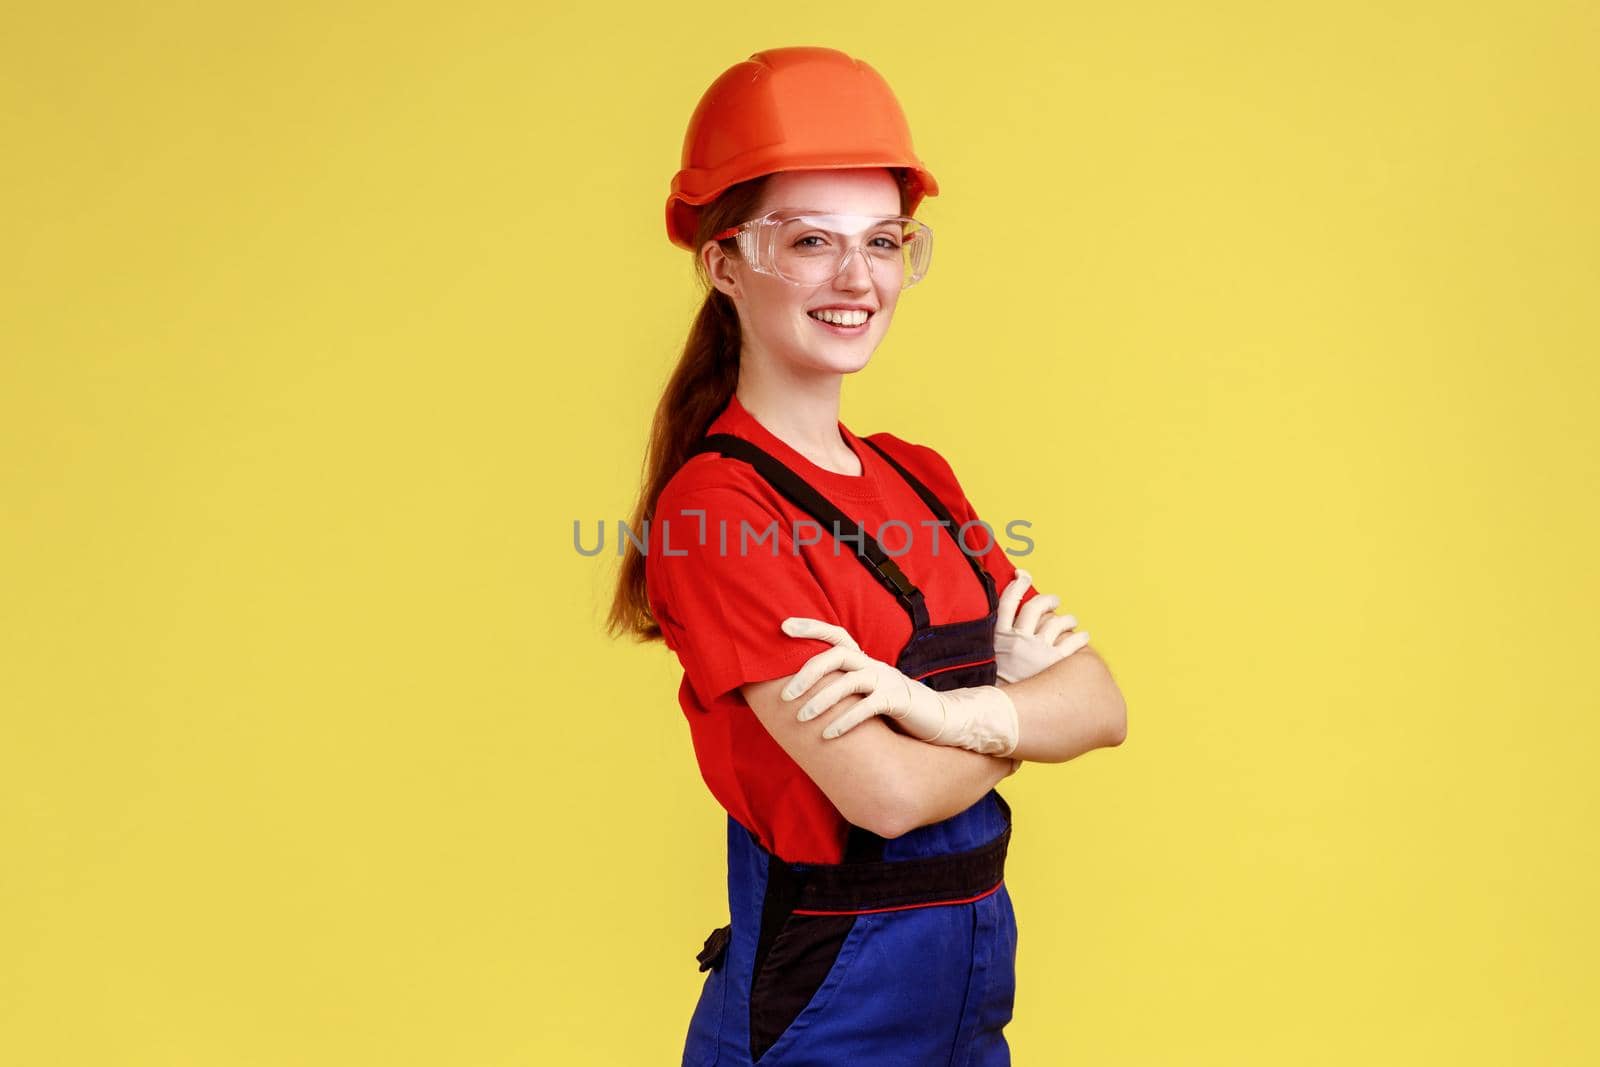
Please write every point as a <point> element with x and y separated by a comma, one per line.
<point>888,691</point>
<point>1028,641</point>
<point>980,718</point>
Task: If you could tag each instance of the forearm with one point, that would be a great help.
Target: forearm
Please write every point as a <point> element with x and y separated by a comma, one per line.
<point>934,782</point>
<point>878,777</point>
<point>1069,708</point>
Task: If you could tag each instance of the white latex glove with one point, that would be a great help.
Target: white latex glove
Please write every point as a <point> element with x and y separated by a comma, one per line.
<point>981,718</point>
<point>1029,640</point>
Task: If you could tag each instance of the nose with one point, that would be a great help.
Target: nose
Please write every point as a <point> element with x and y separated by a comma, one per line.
<point>855,273</point>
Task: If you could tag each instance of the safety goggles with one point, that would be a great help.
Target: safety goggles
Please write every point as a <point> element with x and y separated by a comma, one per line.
<point>807,248</point>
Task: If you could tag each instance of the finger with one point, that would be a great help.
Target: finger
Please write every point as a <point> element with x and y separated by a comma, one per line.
<point>854,682</point>
<point>1072,642</point>
<point>829,659</point>
<point>1028,617</point>
<point>1010,597</point>
<point>799,626</point>
<point>1054,627</point>
<point>864,709</point>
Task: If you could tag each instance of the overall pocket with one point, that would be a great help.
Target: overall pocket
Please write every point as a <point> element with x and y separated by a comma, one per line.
<point>800,962</point>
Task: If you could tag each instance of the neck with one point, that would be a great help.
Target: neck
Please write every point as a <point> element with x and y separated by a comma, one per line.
<point>803,413</point>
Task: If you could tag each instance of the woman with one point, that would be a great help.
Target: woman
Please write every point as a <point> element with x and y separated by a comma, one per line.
<point>840,647</point>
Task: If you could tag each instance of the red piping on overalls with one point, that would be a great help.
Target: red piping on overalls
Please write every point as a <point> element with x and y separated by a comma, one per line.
<point>954,667</point>
<point>901,907</point>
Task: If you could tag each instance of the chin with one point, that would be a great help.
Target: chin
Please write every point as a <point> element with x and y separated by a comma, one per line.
<point>841,362</point>
<point>811,356</point>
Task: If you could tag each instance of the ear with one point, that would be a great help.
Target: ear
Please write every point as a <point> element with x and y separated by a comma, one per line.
<point>721,268</point>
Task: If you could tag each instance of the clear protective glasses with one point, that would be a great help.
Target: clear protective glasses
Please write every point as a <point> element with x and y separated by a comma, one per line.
<point>810,248</point>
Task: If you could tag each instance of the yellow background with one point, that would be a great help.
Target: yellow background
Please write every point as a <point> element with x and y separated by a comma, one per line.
<point>320,324</point>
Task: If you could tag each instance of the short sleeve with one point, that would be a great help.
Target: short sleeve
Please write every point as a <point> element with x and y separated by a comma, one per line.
<point>721,585</point>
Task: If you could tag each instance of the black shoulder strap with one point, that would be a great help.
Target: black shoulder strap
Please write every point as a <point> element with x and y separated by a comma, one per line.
<point>942,513</point>
<point>872,556</point>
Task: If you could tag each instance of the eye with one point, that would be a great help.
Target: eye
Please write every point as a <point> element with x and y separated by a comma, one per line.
<point>888,242</point>
<point>801,243</point>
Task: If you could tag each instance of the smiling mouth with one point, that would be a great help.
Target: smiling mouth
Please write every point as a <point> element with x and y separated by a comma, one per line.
<point>843,320</point>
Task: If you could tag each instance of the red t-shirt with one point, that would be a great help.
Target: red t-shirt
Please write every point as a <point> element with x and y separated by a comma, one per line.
<point>720,609</point>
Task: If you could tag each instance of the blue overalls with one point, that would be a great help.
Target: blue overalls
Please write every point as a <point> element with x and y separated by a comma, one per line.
<point>902,955</point>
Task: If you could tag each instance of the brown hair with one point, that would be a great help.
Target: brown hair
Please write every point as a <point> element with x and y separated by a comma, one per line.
<point>700,387</point>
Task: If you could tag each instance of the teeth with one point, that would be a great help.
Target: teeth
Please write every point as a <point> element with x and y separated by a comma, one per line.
<point>840,318</point>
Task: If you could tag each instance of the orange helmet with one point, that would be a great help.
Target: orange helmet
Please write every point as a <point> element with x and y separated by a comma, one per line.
<point>790,109</point>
